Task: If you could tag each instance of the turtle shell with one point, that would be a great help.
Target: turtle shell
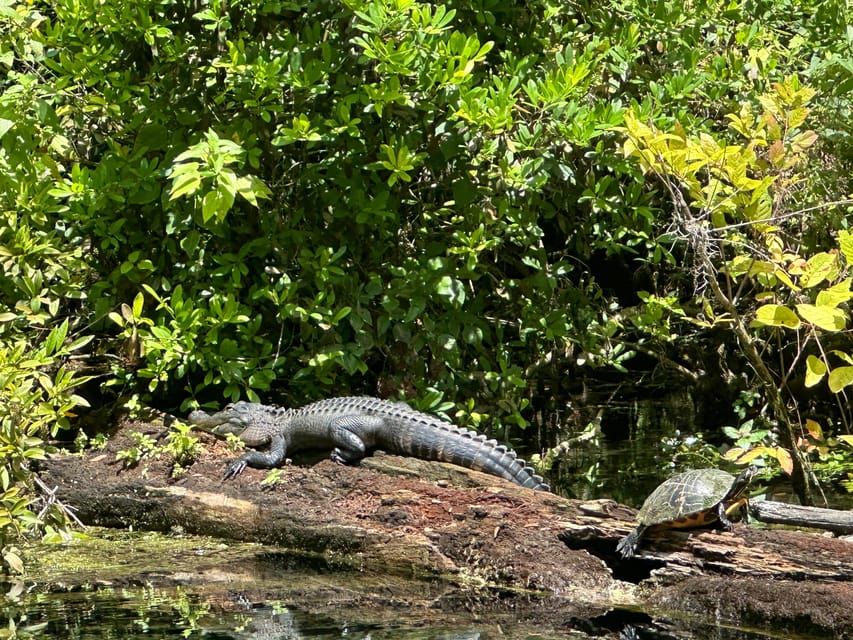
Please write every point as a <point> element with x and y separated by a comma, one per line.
<point>687,499</point>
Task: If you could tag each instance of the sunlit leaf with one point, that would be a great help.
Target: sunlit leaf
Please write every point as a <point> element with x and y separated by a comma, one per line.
<point>786,279</point>
<point>839,378</point>
<point>814,429</point>
<point>776,315</point>
<point>5,125</point>
<point>845,241</point>
<point>452,289</point>
<point>836,294</point>
<point>14,561</point>
<point>815,370</point>
<point>819,267</point>
<point>785,460</point>
<point>828,318</point>
<point>749,455</point>
<point>186,184</point>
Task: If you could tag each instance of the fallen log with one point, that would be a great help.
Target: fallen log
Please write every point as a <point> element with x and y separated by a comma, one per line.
<point>401,516</point>
<point>840,522</point>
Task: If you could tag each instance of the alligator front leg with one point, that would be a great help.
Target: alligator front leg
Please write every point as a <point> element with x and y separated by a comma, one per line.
<point>273,457</point>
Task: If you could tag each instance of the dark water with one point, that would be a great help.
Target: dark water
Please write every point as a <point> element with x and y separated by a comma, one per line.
<point>166,613</point>
<point>176,613</point>
<point>623,449</point>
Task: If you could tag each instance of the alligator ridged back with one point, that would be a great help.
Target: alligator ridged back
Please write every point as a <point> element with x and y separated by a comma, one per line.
<point>413,433</point>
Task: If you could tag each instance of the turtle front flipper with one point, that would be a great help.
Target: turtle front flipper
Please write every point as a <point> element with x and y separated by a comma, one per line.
<point>627,546</point>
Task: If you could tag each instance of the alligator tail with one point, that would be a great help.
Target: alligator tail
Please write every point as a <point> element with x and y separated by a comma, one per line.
<point>446,442</point>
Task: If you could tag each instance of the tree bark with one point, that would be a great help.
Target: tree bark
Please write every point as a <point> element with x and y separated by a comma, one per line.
<point>840,522</point>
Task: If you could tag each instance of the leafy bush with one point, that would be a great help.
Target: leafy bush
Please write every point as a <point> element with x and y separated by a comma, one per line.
<point>730,208</point>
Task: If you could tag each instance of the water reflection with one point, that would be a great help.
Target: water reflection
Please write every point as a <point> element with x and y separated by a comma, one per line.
<point>208,611</point>
<point>175,613</point>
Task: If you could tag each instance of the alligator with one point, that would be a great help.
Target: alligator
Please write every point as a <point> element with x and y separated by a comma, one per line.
<point>354,426</point>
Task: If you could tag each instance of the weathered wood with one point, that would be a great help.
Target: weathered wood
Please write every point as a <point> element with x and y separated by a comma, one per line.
<point>840,522</point>
<point>432,519</point>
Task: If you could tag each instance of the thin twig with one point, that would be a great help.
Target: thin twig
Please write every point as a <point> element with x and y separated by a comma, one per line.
<point>50,499</point>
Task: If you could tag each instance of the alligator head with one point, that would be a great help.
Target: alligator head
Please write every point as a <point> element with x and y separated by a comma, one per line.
<point>237,418</point>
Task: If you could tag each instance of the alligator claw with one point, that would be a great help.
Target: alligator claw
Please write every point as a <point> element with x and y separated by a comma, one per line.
<point>234,469</point>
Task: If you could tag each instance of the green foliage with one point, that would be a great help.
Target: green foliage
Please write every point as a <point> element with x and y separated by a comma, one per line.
<point>204,168</point>
<point>182,446</point>
<point>234,442</point>
<point>34,404</point>
<point>143,447</point>
<point>288,200</point>
<point>738,191</point>
<point>273,477</point>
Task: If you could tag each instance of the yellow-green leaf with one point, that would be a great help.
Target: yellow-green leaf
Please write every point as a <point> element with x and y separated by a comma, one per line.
<point>186,184</point>
<point>803,141</point>
<point>748,456</point>
<point>815,370</point>
<point>776,315</point>
<point>786,279</point>
<point>843,355</point>
<point>836,294</point>
<point>814,429</point>
<point>784,459</point>
<point>845,241</point>
<point>828,318</point>
<point>733,454</point>
<point>819,267</point>
<point>847,439</point>
<point>839,378</point>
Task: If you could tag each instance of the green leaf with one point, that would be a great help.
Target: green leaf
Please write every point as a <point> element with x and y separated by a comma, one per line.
<point>836,294</point>
<point>815,370</point>
<point>251,188</point>
<point>186,184</point>
<point>5,125</point>
<point>452,289</point>
<point>776,315</point>
<point>828,318</point>
<point>216,204</point>
<point>819,267</point>
<point>226,181</point>
<point>340,314</point>
<point>845,241</point>
<point>786,279</point>
<point>839,378</point>
<point>843,355</point>
<point>138,303</point>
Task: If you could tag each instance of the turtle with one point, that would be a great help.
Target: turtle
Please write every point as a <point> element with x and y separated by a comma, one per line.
<point>695,498</point>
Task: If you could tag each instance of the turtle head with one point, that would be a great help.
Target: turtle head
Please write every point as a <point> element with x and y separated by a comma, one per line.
<point>742,480</point>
